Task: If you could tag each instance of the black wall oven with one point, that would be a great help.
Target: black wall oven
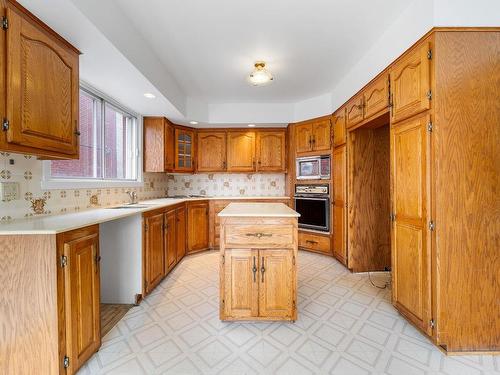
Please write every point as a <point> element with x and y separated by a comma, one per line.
<point>312,202</point>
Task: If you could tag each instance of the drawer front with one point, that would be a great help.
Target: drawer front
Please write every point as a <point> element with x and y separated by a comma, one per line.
<point>314,242</point>
<point>258,236</point>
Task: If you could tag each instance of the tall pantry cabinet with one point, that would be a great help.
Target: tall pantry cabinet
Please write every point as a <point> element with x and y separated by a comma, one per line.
<point>445,158</point>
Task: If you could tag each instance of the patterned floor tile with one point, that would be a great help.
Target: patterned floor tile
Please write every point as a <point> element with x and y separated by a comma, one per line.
<point>345,326</point>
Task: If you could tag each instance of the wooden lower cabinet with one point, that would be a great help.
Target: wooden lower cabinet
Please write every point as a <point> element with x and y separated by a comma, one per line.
<point>258,284</point>
<point>319,243</point>
<point>258,278</point>
<point>180,230</point>
<point>170,244</point>
<point>277,274</point>
<point>79,296</point>
<point>241,291</point>
<point>153,256</point>
<point>197,222</point>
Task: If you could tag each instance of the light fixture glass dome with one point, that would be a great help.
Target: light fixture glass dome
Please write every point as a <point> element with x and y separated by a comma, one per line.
<point>260,76</point>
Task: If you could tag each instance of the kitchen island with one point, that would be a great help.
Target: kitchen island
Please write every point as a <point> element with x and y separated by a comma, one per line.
<point>258,267</point>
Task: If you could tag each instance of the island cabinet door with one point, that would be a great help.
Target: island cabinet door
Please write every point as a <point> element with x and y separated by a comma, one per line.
<point>241,283</point>
<point>276,283</point>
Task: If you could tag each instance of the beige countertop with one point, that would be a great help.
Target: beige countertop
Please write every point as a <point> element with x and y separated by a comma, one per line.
<point>258,210</point>
<point>54,224</point>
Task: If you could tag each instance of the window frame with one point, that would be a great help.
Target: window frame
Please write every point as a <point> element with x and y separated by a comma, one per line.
<point>49,182</point>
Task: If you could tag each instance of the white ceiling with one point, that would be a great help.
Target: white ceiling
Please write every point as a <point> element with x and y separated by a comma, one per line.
<point>209,47</point>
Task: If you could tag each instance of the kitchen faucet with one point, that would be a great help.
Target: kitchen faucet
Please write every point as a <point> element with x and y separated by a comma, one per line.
<point>133,196</point>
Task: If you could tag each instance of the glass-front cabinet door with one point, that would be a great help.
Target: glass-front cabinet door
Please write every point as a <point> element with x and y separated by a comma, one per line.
<point>184,150</point>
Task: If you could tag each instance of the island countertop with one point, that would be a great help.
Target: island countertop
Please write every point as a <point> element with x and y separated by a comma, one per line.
<point>258,210</point>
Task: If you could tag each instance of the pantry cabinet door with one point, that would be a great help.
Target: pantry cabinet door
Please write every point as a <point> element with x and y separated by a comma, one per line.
<point>82,299</point>
<point>154,257</point>
<point>271,155</point>
<point>410,84</point>
<point>241,151</point>
<point>211,151</point>
<point>411,257</point>
<point>276,283</point>
<point>241,283</point>
<point>339,204</point>
<point>42,90</point>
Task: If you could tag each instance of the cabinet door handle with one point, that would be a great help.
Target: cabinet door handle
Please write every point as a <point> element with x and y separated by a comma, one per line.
<point>262,269</point>
<point>254,270</point>
<point>311,241</point>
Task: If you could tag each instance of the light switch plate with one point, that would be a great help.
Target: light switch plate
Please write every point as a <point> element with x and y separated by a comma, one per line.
<point>9,191</point>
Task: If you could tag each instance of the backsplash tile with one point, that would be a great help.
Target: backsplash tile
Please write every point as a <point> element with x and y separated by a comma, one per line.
<point>227,184</point>
<point>27,171</point>
<point>33,201</point>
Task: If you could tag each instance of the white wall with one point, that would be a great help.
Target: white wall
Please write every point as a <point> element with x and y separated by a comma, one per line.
<point>466,13</point>
<point>314,107</point>
<point>413,23</point>
<point>245,113</point>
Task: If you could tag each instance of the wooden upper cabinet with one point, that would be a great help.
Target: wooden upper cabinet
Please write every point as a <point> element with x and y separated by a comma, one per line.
<point>339,131</point>
<point>241,283</point>
<point>180,232</point>
<point>153,256</point>
<point>271,148</point>
<point>339,241</point>
<point>376,97</point>
<point>211,153</point>
<point>158,145</point>
<point>169,140</point>
<point>81,295</point>
<point>313,135</point>
<point>197,222</point>
<point>276,284</point>
<point>169,236</point>
<point>184,150</point>
<point>321,135</point>
<point>303,138</point>
<point>411,257</point>
<point>410,83</point>
<point>241,151</point>
<point>354,111</point>
<point>41,88</point>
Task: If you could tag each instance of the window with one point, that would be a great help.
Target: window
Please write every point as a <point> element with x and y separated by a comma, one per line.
<point>109,148</point>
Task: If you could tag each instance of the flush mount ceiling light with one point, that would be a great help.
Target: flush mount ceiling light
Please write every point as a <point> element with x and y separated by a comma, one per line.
<point>260,76</point>
<point>193,122</point>
<point>251,125</point>
<point>149,95</point>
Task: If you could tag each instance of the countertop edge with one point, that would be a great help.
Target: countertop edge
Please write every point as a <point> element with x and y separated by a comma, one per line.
<point>116,216</point>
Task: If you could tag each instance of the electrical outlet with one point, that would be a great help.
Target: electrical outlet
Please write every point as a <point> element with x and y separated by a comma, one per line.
<point>9,191</point>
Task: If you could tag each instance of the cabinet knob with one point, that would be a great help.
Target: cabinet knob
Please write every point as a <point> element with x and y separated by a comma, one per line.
<point>77,133</point>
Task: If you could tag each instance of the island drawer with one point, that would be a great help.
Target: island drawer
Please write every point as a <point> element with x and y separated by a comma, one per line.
<point>258,236</point>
